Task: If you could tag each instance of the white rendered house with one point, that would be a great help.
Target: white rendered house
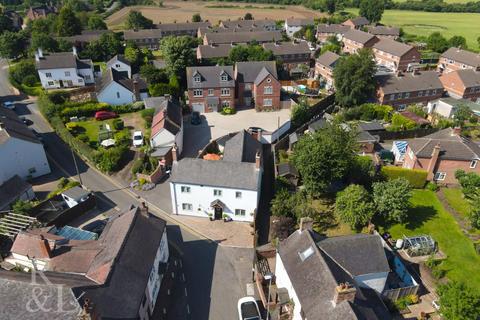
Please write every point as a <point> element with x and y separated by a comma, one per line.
<point>63,70</point>
<point>231,186</point>
<point>120,64</point>
<point>293,25</point>
<point>116,88</point>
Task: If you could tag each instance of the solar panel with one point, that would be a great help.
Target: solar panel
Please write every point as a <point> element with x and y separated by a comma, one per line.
<point>72,233</point>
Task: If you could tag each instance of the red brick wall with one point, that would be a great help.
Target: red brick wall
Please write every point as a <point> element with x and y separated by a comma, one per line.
<point>453,66</point>
<point>324,71</point>
<point>352,47</point>
<point>216,93</point>
<point>258,93</point>
<point>412,56</point>
<point>413,99</point>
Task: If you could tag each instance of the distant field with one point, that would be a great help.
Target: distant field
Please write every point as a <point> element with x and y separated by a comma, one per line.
<point>424,23</point>
<point>446,1</point>
<point>182,11</point>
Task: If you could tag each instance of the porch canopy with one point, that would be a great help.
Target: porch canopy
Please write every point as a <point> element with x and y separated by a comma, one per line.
<point>217,204</point>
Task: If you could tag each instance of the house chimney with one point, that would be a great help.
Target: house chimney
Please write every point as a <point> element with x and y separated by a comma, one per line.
<point>37,58</point>
<point>433,162</point>
<point>46,244</point>
<point>344,292</point>
<point>306,223</point>
<point>174,153</point>
<point>136,90</point>
<point>144,209</point>
<point>74,51</point>
<point>40,53</point>
<point>257,160</point>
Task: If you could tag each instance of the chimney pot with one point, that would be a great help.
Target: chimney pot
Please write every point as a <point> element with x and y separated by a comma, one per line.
<point>144,209</point>
<point>344,292</point>
<point>40,52</point>
<point>257,160</point>
<point>306,223</point>
<point>174,153</point>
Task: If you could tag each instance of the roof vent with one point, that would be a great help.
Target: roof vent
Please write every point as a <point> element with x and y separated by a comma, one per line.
<point>304,255</point>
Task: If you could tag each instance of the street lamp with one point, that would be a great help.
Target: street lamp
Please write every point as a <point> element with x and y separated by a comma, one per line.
<point>268,276</point>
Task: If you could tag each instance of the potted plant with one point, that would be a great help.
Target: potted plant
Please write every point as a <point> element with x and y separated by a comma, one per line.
<point>226,218</point>
<point>210,216</point>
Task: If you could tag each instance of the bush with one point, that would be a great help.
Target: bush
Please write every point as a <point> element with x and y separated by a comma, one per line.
<point>122,137</point>
<point>476,245</point>
<point>30,80</point>
<point>417,178</point>
<point>438,273</point>
<point>83,137</point>
<point>108,160</point>
<point>147,115</point>
<point>118,124</point>
<point>137,166</point>
<point>432,186</point>
<point>400,122</point>
<point>228,110</point>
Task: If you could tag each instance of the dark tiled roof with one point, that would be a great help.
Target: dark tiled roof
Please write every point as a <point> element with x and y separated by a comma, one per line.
<point>424,80</point>
<point>359,21</point>
<point>328,59</point>
<point>462,56</point>
<point>142,34</point>
<point>299,22</point>
<point>76,192</point>
<point>393,47</point>
<point>239,175</point>
<point>371,126</point>
<point>384,31</point>
<point>452,146</point>
<point>12,189</point>
<point>332,28</point>
<point>118,57</point>
<point>287,169</point>
<point>14,127</point>
<point>469,77</point>
<point>358,36</point>
<point>86,36</point>
<point>248,71</point>
<point>210,77</point>
<point>242,147</point>
<point>262,75</point>
<point>60,60</point>
<point>243,37</point>
<point>284,48</point>
<point>187,26</point>
<point>112,75</point>
<point>236,24</point>
<point>215,51</point>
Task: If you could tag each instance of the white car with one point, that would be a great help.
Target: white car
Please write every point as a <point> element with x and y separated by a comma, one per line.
<point>137,139</point>
<point>248,309</point>
<point>9,105</point>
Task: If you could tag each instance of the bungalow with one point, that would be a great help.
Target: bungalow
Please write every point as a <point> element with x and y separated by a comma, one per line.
<point>167,123</point>
<point>324,66</point>
<point>241,37</point>
<point>447,106</point>
<point>419,121</point>
<point>116,88</point>
<point>462,84</point>
<point>395,55</point>
<point>21,153</point>
<point>400,90</point>
<point>63,70</point>
<point>355,40</point>
<point>293,55</point>
<point>384,32</point>
<point>238,25</point>
<point>325,31</point>
<point>458,59</point>
<point>333,278</point>
<point>210,88</point>
<point>441,154</point>
<point>214,188</point>
<point>356,23</point>
<point>257,84</point>
<point>293,25</point>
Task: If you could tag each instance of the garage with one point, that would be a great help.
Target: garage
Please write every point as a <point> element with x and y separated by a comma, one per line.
<point>199,107</point>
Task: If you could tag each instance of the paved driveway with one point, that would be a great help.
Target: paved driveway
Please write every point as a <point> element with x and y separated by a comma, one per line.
<point>215,125</point>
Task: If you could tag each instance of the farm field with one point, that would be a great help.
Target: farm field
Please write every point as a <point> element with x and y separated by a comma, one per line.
<point>182,11</point>
<point>424,23</point>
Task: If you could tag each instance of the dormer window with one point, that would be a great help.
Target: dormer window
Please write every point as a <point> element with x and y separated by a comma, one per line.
<point>224,76</point>
<point>197,78</point>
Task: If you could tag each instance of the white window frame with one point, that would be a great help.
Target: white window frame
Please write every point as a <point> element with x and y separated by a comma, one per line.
<point>211,92</point>
<point>51,83</point>
<point>268,90</point>
<point>240,212</point>
<point>439,176</point>
<point>217,192</point>
<point>225,103</point>
<point>420,93</point>
<point>267,102</point>
<point>473,164</point>
<point>48,74</point>
<point>197,79</point>
<point>406,95</point>
<point>225,92</point>
<point>224,77</point>
<point>185,189</point>
<point>67,73</point>
<point>197,92</point>
<point>187,207</point>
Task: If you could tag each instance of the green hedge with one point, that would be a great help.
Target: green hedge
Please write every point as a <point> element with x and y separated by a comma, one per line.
<point>417,178</point>
<point>88,109</point>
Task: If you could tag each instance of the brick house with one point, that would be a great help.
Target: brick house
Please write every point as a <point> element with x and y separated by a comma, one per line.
<point>441,154</point>
<point>324,31</point>
<point>241,37</point>
<point>395,55</point>
<point>257,84</point>
<point>356,23</point>
<point>456,59</point>
<point>355,40</point>
<point>324,66</point>
<point>238,25</point>
<point>384,32</point>
<point>210,88</point>
<point>462,84</point>
<point>293,55</point>
<point>400,90</point>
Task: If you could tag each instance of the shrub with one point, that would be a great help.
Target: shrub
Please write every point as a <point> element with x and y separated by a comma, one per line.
<point>83,137</point>
<point>476,245</point>
<point>30,80</point>
<point>137,166</point>
<point>432,186</point>
<point>400,122</point>
<point>228,111</point>
<point>118,124</point>
<point>438,273</point>
<point>417,178</point>
<point>147,115</point>
<point>108,160</point>
<point>122,137</point>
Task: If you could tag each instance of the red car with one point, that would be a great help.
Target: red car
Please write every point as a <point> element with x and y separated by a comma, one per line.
<point>104,115</point>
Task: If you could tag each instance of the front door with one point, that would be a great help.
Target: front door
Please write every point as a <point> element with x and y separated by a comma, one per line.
<point>218,213</point>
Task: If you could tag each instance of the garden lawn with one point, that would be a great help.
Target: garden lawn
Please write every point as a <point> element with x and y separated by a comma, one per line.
<point>456,200</point>
<point>428,216</point>
<point>424,23</point>
<point>92,127</point>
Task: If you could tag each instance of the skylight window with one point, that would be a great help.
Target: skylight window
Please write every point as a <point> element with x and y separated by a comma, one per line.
<point>304,255</point>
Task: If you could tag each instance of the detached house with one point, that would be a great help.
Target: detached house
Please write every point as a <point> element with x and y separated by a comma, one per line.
<point>324,66</point>
<point>458,59</point>
<point>21,153</point>
<point>295,56</point>
<point>214,188</point>
<point>400,90</point>
<point>395,55</point>
<point>441,154</point>
<point>293,25</point>
<point>117,88</point>
<point>325,31</point>
<point>63,70</point>
<point>210,88</point>
<point>257,84</point>
<point>462,84</point>
<point>355,40</point>
<point>356,23</point>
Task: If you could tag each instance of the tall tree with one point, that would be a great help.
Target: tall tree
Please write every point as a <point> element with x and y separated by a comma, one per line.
<point>354,206</point>
<point>67,23</point>
<point>95,22</point>
<point>178,54</point>
<point>250,52</point>
<point>458,301</point>
<point>392,199</point>
<point>135,20</point>
<point>324,157</point>
<point>436,42</point>
<point>331,6</point>
<point>458,42</point>
<point>196,17</point>
<point>44,41</point>
<point>354,78</point>
<point>248,16</point>
<point>12,44</point>
<point>462,114</point>
<point>372,10</point>
<point>5,24</point>
<point>300,113</point>
<point>104,48</point>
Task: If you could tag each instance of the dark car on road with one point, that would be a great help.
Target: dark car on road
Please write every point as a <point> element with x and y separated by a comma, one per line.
<point>195,120</point>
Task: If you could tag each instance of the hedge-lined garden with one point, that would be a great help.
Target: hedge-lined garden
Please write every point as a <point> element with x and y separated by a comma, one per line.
<point>417,178</point>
